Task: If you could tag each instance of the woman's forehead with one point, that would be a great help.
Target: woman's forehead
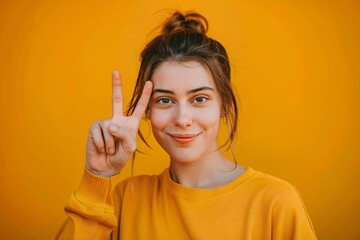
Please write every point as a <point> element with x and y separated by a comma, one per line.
<point>172,74</point>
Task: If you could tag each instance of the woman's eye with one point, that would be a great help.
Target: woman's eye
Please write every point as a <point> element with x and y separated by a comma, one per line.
<point>200,99</point>
<point>164,101</point>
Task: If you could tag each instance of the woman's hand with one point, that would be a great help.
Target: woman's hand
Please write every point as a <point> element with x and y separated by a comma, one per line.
<point>112,142</point>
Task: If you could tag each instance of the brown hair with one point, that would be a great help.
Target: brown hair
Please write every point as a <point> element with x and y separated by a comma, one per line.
<point>183,38</point>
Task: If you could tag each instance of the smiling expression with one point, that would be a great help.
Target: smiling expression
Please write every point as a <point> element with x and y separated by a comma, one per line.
<point>185,110</point>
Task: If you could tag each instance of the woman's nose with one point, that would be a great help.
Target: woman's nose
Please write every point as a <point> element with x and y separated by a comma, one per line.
<point>183,116</point>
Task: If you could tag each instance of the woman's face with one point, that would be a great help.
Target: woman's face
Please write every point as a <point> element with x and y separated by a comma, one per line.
<point>185,110</point>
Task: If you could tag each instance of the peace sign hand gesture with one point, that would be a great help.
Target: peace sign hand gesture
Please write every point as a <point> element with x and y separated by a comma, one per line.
<point>112,142</point>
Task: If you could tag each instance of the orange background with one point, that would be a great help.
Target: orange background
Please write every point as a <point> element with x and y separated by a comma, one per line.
<point>295,68</point>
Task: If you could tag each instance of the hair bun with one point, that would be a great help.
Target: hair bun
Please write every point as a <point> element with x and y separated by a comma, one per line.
<point>187,21</point>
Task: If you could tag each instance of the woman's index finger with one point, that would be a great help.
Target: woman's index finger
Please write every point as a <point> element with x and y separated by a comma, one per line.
<point>117,96</point>
<point>143,101</point>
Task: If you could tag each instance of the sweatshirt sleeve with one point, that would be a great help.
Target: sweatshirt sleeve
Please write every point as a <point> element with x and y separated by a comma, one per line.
<point>90,210</point>
<point>290,218</point>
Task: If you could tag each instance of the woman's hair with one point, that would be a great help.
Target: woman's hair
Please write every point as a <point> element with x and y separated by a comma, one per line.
<point>183,38</point>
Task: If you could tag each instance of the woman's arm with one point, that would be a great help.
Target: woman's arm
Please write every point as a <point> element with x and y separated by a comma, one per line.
<point>90,210</point>
<point>290,218</point>
<point>111,143</point>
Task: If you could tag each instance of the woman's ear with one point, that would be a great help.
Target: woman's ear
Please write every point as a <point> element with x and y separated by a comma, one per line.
<point>147,113</point>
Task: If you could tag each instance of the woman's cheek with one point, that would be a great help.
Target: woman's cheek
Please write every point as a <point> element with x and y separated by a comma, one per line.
<point>209,116</point>
<point>160,118</point>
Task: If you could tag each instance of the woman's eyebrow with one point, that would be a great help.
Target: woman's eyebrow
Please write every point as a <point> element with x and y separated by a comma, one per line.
<point>159,90</point>
<point>200,89</point>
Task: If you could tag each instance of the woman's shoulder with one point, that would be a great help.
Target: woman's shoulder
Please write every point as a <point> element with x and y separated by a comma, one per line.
<point>266,180</point>
<point>273,189</point>
<point>270,182</point>
<point>143,182</point>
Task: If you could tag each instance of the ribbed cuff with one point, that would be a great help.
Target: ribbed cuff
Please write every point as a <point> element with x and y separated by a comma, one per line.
<point>96,190</point>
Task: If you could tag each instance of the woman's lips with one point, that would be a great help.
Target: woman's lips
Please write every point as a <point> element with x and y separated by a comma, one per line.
<point>184,138</point>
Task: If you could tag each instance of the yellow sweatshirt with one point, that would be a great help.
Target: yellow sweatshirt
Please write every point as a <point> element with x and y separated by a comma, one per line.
<point>254,206</point>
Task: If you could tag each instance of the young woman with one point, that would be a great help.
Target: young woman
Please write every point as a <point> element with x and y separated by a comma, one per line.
<point>183,89</point>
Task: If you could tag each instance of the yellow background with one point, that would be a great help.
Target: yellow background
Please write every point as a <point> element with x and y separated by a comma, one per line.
<point>295,68</point>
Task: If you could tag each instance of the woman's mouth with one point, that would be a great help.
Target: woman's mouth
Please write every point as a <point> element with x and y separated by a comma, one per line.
<point>184,138</point>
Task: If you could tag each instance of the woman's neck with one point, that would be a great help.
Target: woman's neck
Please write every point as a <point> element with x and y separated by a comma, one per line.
<point>210,172</point>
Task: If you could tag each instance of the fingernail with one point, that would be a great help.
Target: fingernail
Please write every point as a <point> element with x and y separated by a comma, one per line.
<point>115,74</point>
